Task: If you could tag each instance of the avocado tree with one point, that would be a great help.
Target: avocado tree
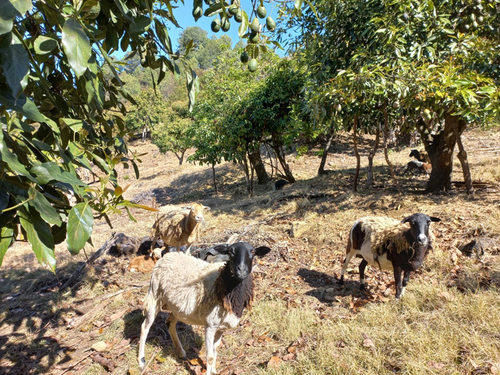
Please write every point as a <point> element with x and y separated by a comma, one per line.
<point>171,134</point>
<point>62,106</point>
<point>439,59</point>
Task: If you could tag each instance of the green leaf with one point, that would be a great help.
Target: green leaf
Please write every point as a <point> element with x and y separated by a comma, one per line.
<point>12,161</point>
<point>15,64</point>
<point>214,9</point>
<point>242,30</point>
<point>44,45</point>
<point>46,210</point>
<point>9,9</point>
<point>139,25</point>
<point>298,4</point>
<point>6,233</point>
<point>39,236</point>
<point>192,85</point>
<point>73,124</point>
<point>76,45</point>
<point>5,25</point>
<point>26,107</point>
<point>79,228</point>
<point>50,171</point>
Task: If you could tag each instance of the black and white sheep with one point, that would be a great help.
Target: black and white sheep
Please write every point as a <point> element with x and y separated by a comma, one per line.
<point>213,295</point>
<point>420,156</point>
<point>390,244</point>
<point>418,167</point>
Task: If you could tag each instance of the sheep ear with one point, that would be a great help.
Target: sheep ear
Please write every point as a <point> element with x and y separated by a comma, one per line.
<point>222,249</point>
<point>405,220</point>
<point>206,208</point>
<point>435,219</point>
<point>261,251</point>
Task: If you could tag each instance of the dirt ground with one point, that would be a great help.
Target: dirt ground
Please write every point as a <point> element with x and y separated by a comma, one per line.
<point>45,330</point>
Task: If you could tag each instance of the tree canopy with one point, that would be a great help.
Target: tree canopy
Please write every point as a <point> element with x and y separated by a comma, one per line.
<point>63,104</point>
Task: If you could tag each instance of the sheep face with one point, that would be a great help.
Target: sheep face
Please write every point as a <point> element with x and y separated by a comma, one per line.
<point>196,212</point>
<point>419,227</point>
<point>241,255</point>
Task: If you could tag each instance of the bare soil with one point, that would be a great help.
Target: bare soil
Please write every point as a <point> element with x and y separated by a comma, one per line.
<point>46,330</point>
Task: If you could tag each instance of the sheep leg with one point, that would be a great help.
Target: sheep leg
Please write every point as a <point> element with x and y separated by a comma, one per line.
<point>350,253</point>
<point>406,278</point>
<point>210,334</point>
<point>150,313</point>
<point>362,267</point>
<point>188,249</point>
<point>398,281</point>
<point>171,323</point>
<point>217,341</point>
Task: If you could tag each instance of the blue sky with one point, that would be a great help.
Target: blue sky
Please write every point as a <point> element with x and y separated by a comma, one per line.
<point>184,17</point>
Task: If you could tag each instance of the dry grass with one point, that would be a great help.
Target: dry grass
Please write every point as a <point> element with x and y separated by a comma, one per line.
<point>302,322</point>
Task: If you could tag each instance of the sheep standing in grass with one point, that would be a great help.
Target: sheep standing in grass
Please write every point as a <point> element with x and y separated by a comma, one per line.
<point>195,292</point>
<point>390,244</point>
<point>177,228</point>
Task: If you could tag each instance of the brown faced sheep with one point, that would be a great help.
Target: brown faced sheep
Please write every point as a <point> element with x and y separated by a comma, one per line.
<point>178,228</point>
<point>213,295</point>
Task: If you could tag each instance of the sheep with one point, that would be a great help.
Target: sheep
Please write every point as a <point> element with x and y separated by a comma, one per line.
<point>390,245</point>
<point>418,167</point>
<point>213,295</point>
<point>142,263</point>
<point>278,185</point>
<point>420,156</point>
<point>126,245</point>
<point>176,228</point>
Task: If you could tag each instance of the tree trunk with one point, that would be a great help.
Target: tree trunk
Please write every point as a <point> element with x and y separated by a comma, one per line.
<point>440,148</point>
<point>180,156</point>
<point>246,168</point>
<point>258,166</point>
<point>278,149</point>
<point>369,178</point>
<point>215,181</point>
<point>386,153</point>
<point>462,156</point>
<point>356,152</point>
<point>321,169</point>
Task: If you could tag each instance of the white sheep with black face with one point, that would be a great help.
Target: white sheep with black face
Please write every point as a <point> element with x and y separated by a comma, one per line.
<point>213,295</point>
<point>390,244</point>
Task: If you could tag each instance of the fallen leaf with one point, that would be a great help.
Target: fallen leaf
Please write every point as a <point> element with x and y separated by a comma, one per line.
<point>196,361</point>
<point>274,362</point>
<point>436,365</point>
<point>292,349</point>
<point>368,342</point>
<point>446,296</point>
<point>100,346</point>
<point>250,342</point>
<point>289,356</point>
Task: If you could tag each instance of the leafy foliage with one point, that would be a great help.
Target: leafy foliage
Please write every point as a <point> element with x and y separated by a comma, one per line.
<point>417,56</point>
<point>62,107</point>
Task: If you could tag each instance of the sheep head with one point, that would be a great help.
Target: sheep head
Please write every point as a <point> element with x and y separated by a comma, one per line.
<point>196,212</point>
<point>419,232</point>
<point>241,255</point>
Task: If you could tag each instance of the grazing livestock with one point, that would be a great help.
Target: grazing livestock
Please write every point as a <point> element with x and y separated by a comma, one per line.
<point>278,185</point>
<point>213,295</point>
<point>420,156</point>
<point>390,244</point>
<point>177,228</point>
<point>417,167</point>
